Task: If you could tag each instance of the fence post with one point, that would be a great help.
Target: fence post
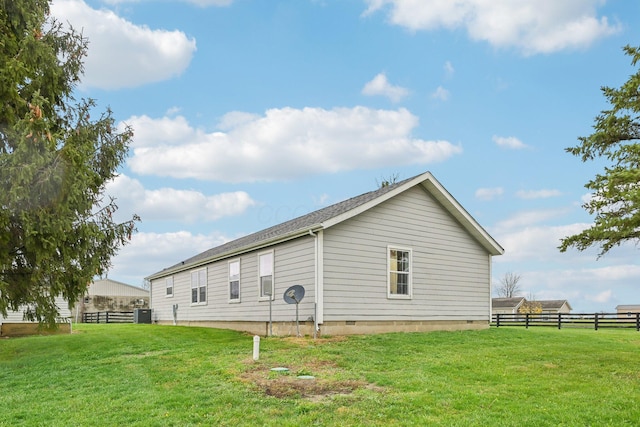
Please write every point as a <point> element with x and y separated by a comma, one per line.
<point>637,321</point>
<point>595,321</point>
<point>526,321</point>
<point>497,320</point>
<point>107,316</point>
<point>559,320</point>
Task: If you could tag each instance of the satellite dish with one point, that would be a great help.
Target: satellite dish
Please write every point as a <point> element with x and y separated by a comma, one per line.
<point>294,294</point>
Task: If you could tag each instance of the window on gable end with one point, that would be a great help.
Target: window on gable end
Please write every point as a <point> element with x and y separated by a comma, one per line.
<point>168,286</point>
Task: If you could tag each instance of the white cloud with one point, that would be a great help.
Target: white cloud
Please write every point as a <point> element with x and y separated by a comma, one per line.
<point>532,26</point>
<point>602,297</point>
<point>201,3</point>
<point>173,111</point>
<point>148,132</point>
<point>528,218</point>
<point>381,86</point>
<point>170,204</point>
<point>282,144</point>
<point>448,69</point>
<point>489,193</point>
<point>122,54</point>
<point>509,142</point>
<point>525,239</point>
<point>441,93</point>
<point>537,194</point>
<point>148,253</point>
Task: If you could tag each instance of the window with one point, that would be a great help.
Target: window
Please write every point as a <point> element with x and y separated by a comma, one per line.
<point>266,274</point>
<point>169,286</point>
<point>234,281</point>
<point>399,281</point>
<point>199,286</point>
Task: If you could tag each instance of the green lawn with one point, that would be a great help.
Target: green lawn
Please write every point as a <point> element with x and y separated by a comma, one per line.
<point>148,375</point>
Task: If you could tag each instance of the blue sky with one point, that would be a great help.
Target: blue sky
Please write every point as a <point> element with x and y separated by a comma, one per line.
<point>247,113</point>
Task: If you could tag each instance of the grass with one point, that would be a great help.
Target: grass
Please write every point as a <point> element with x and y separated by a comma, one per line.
<point>149,375</point>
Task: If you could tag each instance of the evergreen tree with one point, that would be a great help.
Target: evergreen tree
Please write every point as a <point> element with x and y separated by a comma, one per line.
<point>616,192</point>
<point>56,225</point>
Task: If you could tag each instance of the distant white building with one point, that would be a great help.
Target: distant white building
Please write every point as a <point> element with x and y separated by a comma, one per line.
<point>628,310</point>
<point>14,324</point>
<point>111,295</point>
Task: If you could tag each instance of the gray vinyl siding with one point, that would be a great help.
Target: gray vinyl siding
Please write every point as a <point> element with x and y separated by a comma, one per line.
<point>18,316</point>
<point>451,271</point>
<point>293,265</point>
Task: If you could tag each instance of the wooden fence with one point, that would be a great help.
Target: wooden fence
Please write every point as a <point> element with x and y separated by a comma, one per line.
<point>574,320</point>
<point>108,317</point>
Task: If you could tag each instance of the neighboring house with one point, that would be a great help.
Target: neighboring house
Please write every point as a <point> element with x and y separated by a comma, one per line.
<point>113,296</point>
<point>406,257</point>
<point>513,305</point>
<point>628,310</point>
<point>506,305</point>
<point>15,324</point>
<point>555,306</point>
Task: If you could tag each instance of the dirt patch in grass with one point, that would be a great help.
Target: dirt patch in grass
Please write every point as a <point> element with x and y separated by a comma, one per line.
<point>297,381</point>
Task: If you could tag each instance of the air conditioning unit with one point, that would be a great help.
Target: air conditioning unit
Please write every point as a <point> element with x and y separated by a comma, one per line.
<point>142,315</point>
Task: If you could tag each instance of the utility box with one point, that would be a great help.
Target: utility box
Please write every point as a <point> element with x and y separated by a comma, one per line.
<point>142,315</point>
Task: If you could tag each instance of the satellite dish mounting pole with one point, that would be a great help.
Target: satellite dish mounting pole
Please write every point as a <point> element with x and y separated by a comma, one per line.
<point>297,321</point>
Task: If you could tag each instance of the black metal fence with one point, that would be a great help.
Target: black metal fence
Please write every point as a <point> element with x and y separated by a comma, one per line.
<point>108,317</point>
<point>574,320</point>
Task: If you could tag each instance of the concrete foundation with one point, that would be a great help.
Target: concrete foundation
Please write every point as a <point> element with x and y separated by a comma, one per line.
<point>342,327</point>
<point>20,329</point>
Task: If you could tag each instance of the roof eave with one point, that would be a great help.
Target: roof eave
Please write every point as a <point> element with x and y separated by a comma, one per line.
<point>235,252</point>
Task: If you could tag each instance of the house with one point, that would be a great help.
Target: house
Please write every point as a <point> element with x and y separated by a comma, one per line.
<point>113,296</point>
<point>515,304</point>
<point>14,323</point>
<point>555,306</point>
<point>627,310</point>
<point>406,257</point>
<point>506,305</point>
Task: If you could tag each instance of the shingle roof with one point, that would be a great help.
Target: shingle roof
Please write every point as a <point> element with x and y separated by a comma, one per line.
<point>302,223</point>
<point>553,304</point>
<point>506,302</point>
<point>320,218</point>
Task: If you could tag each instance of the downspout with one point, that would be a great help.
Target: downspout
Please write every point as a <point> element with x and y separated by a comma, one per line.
<point>490,289</point>
<point>318,294</point>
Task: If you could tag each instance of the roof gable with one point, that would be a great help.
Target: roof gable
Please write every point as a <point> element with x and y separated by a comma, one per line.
<point>554,304</point>
<point>507,302</point>
<point>335,214</point>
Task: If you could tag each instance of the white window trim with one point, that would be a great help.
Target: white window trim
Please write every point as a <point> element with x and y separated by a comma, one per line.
<point>206,287</point>
<point>410,281</point>
<point>237,300</point>
<point>166,286</point>
<point>273,277</point>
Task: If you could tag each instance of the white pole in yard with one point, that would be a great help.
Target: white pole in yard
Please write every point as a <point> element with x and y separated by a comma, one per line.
<point>256,347</point>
